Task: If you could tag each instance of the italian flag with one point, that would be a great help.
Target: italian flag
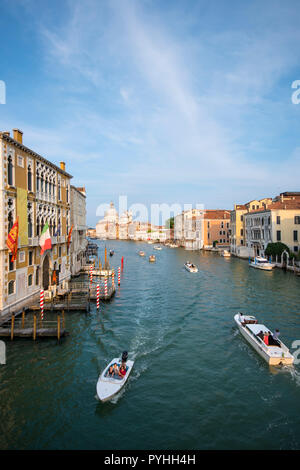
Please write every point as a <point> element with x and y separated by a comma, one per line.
<point>45,239</point>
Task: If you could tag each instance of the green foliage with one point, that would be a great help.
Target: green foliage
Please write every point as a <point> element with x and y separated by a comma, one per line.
<point>170,223</point>
<point>215,242</point>
<point>277,248</point>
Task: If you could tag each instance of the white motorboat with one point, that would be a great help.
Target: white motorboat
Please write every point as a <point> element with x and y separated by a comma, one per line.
<point>190,267</point>
<point>225,253</point>
<point>152,258</point>
<point>274,354</point>
<point>107,385</point>
<point>172,245</point>
<point>261,263</point>
<point>157,248</point>
<point>141,253</point>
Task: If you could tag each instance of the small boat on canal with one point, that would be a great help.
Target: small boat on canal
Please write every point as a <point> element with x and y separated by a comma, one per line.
<point>111,252</point>
<point>261,263</point>
<point>172,245</point>
<point>225,253</point>
<point>110,381</point>
<point>274,354</point>
<point>192,268</point>
<point>157,248</point>
<point>141,253</point>
<point>152,258</point>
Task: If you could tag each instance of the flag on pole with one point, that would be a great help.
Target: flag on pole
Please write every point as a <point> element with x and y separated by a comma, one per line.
<point>45,239</point>
<point>69,236</point>
<point>12,240</point>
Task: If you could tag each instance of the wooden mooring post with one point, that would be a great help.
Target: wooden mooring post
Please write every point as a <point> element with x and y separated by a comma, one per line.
<point>23,319</point>
<point>34,327</point>
<point>58,327</point>
<point>12,326</point>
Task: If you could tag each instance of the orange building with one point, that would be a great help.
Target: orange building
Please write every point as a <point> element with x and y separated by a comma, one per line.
<point>216,227</point>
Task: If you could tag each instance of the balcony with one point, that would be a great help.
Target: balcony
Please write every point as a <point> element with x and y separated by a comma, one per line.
<point>33,241</point>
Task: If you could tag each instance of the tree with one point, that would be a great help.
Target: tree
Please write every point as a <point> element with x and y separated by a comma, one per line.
<point>215,242</point>
<point>169,223</point>
<point>276,249</point>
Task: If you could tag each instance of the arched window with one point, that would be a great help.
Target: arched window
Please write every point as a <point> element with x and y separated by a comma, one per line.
<point>11,287</point>
<point>10,171</point>
<point>38,227</point>
<point>30,280</point>
<point>10,220</point>
<point>37,182</point>
<point>29,178</point>
<point>29,226</point>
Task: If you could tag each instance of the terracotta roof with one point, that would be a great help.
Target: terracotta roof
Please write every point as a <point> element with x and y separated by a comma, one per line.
<point>216,214</point>
<point>285,205</point>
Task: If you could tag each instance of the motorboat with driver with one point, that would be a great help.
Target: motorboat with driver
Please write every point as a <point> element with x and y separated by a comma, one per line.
<point>192,268</point>
<point>111,380</point>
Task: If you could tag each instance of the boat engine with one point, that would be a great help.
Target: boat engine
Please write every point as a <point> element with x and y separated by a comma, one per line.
<point>124,356</point>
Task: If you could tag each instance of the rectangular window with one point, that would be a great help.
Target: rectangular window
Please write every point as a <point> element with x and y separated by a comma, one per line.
<point>295,248</point>
<point>11,264</point>
<point>278,219</point>
<point>242,232</point>
<point>59,252</point>
<point>297,219</point>
<point>242,218</point>
<point>21,256</point>
<point>278,235</point>
<point>295,233</point>
<point>208,235</point>
<point>20,161</point>
<point>30,258</point>
<point>30,280</point>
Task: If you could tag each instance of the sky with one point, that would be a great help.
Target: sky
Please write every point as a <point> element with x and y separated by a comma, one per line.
<point>162,101</point>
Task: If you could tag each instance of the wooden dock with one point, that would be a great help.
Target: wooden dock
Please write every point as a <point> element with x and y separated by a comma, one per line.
<point>33,327</point>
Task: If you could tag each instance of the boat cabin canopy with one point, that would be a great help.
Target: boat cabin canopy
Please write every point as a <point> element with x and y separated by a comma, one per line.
<point>257,328</point>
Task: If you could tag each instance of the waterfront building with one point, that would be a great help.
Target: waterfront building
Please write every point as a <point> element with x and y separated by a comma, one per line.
<point>108,227</point>
<point>237,232</point>
<point>188,229</point>
<point>78,222</point>
<point>216,228</point>
<point>35,191</point>
<point>279,221</point>
<point>91,233</point>
<point>124,223</point>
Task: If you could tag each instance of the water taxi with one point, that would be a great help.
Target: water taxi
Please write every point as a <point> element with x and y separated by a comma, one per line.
<point>152,258</point>
<point>141,253</point>
<point>261,263</point>
<point>225,253</point>
<point>274,354</point>
<point>108,384</point>
<point>190,267</point>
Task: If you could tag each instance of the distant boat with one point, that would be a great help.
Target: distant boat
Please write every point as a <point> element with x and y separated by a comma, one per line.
<point>141,253</point>
<point>108,386</point>
<point>274,354</point>
<point>152,258</point>
<point>261,263</point>
<point>225,253</point>
<point>190,267</point>
<point>111,252</point>
<point>157,248</point>
<point>172,245</point>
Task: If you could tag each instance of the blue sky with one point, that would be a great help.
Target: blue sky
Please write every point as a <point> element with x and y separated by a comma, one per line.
<point>162,101</point>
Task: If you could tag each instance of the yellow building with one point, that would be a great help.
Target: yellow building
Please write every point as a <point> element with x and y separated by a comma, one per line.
<point>36,191</point>
<point>237,225</point>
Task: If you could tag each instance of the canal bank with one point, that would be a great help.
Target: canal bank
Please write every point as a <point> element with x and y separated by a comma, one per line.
<point>196,384</point>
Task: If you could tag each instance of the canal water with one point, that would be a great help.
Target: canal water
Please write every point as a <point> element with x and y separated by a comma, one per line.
<point>196,383</point>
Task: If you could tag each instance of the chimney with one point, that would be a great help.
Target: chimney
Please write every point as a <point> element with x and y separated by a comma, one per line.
<point>5,133</point>
<point>62,166</point>
<point>18,135</point>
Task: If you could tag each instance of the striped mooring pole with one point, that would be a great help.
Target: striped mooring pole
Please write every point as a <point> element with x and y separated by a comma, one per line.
<point>91,274</point>
<point>113,278</point>
<point>119,275</point>
<point>98,296</point>
<point>105,287</point>
<point>42,296</point>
